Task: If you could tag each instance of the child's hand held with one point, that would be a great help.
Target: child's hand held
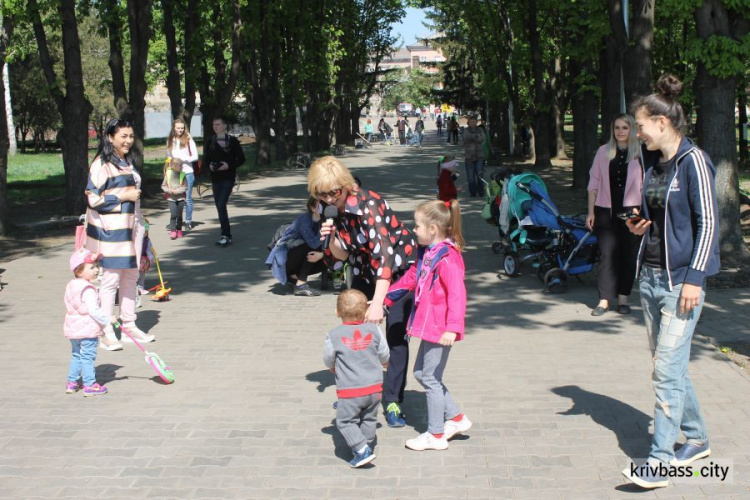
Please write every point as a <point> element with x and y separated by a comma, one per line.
<point>448,338</point>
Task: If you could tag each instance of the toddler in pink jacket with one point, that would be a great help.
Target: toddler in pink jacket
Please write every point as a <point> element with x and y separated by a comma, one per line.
<point>84,323</point>
<point>437,279</point>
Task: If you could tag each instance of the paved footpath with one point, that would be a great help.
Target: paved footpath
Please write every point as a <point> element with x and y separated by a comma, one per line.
<point>559,399</point>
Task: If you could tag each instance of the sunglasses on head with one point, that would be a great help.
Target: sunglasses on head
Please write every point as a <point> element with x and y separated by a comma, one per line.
<point>335,193</point>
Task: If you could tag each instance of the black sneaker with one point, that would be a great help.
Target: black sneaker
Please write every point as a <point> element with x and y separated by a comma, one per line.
<point>224,241</point>
<point>305,291</point>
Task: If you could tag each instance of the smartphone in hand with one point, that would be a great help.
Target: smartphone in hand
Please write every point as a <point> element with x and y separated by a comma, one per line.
<point>630,216</point>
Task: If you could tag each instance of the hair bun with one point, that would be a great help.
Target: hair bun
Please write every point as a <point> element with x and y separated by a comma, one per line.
<point>669,86</point>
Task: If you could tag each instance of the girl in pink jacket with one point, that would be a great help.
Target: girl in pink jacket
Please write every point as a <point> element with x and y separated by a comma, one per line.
<point>84,323</point>
<point>437,279</point>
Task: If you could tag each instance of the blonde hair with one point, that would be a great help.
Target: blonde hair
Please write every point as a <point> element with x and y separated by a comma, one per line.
<point>171,163</point>
<point>634,147</point>
<point>328,173</point>
<point>351,305</point>
<point>446,215</point>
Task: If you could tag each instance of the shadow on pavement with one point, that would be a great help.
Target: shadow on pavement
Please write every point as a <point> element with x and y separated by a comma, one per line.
<point>324,378</point>
<point>629,424</point>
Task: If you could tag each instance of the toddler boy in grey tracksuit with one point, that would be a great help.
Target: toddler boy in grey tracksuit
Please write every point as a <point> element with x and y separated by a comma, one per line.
<point>356,352</point>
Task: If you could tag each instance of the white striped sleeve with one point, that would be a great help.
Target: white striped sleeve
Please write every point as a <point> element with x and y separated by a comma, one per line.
<point>706,215</point>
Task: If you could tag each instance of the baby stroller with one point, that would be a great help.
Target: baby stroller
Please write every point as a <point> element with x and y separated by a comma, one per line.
<point>532,229</point>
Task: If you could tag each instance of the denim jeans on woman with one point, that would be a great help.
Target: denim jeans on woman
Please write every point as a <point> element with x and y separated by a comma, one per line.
<point>190,181</point>
<point>670,334</point>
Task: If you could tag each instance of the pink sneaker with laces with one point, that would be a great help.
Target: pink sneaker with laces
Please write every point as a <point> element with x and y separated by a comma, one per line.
<point>94,390</point>
<point>72,387</point>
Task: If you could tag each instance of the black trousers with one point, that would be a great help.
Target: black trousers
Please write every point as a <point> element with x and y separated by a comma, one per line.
<point>398,343</point>
<point>222,190</point>
<point>619,250</point>
<point>297,263</point>
<point>175,214</point>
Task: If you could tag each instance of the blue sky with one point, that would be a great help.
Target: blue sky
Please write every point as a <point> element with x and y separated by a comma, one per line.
<point>411,26</point>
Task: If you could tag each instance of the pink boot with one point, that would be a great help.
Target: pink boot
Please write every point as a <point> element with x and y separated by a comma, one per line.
<point>172,235</point>
<point>179,233</point>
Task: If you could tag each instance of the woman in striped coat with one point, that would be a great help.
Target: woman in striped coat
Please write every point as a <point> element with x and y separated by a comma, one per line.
<point>114,226</point>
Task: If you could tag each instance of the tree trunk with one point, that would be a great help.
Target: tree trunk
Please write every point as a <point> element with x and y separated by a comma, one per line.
<point>558,112</point>
<point>4,142</point>
<point>611,67</point>
<point>139,20</point>
<point>12,145</point>
<point>191,75</point>
<point>638,56</point>
<point>174,84</point>
<point>74,108</point>
<point>116,62</point>
<point>585,138</point>
<point>715,101</point>
<point>609,82</point>
<point>541,104</point>
<point>742,124</point>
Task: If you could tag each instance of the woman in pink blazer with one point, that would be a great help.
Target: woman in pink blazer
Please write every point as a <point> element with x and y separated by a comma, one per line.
<point>616,181</point>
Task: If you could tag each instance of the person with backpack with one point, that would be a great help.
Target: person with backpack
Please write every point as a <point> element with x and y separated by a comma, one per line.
<point>297,253</point>
<point>181,145</point>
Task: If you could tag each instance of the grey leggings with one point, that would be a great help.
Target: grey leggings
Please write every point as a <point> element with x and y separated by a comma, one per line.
<point>428,370</point>
<point>356,419</point>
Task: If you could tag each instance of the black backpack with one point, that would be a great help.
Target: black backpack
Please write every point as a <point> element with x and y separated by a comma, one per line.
<point>277,235</point>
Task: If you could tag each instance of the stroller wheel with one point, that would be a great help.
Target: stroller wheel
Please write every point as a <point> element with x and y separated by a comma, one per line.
<point>543,270</point>
<point>498,247</point>
<point>511,264</point>
<point>325,278</point>
<point>556,280</point>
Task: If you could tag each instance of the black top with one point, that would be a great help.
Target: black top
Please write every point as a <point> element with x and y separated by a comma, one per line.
<point>655,193</point>
<point>231,153</point>
<point>618,177</point>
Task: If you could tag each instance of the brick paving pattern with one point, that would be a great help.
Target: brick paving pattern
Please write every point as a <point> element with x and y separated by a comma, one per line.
<point>559,399</point>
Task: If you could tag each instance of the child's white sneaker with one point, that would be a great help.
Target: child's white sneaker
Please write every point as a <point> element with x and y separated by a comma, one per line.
<point>427,441</point>
<point>452,427</point>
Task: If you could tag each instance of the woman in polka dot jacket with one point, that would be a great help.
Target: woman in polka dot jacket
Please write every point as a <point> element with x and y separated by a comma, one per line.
<point>380,249</point>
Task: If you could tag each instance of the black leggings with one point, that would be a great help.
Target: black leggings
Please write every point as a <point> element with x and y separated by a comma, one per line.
<point>175,214</point>
<point>619,249</point>
<point>398,342</point>
<point>297,263</point>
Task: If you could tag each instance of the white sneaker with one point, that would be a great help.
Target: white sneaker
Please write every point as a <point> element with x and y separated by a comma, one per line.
<point>140,336</point>
<point>452,428</point>
<point>427,441</point>
<point>108,345</point>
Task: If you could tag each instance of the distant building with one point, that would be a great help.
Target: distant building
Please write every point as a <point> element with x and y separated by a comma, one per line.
<point>421,56</point>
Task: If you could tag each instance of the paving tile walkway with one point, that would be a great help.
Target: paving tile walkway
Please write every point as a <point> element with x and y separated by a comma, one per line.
<point>559,399</point>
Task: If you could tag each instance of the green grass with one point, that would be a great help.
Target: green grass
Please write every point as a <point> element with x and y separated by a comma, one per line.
<point>41,176</point>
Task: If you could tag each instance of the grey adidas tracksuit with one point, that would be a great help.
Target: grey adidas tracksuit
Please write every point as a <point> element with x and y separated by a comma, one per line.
<point>358,352</point>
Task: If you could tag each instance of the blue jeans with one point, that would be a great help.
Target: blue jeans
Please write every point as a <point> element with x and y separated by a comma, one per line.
<point>670,335</point>
<point>222,189</point>
<point>82,361</point>
<point>190,180</point>
<point>474,168</point>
